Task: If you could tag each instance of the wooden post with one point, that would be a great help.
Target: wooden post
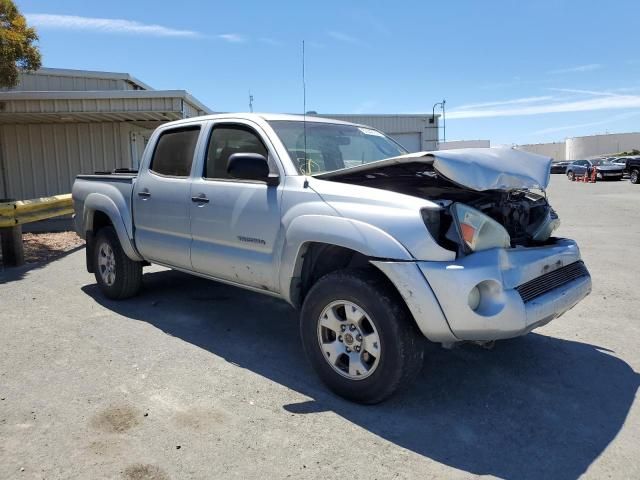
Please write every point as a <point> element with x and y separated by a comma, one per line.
<point>12,250</point>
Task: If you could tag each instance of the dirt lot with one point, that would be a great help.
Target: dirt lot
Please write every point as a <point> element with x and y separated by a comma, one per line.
<point>195,379</point>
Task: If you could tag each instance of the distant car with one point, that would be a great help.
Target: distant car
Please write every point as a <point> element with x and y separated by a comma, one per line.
<point>605,170</point>
<point>559,167</point>
<point>622,161</point>
<point>633,168</point>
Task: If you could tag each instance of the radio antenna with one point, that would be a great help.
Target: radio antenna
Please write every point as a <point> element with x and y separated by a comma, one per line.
<point>250,102</point>
<point>304,113</point>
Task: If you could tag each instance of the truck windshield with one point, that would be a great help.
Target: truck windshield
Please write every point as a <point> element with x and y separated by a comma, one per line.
<point>332,146</point>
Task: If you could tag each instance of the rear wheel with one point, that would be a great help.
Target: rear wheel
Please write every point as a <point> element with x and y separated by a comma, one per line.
<point>570,175</point>
<point>117,275</point>
<point>359,336</point>
<point>634,176</point>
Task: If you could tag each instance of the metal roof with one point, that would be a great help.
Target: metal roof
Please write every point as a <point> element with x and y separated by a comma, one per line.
<point>67,72</point>
<point>98,106</point>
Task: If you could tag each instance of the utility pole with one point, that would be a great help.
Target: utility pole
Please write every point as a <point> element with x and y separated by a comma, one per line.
<point>444,120</point>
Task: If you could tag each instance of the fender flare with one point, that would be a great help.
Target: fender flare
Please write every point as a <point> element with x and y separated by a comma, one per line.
<point>96,202</point>
<point>355,235</point>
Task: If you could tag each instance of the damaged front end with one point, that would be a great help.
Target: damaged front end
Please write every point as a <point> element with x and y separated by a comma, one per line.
<point>488,198</point>
<point>509,275</point>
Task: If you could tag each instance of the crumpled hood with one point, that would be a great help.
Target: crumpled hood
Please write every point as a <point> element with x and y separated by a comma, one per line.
<point>475,168</point>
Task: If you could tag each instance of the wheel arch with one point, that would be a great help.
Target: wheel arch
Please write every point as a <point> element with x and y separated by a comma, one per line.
<point>330,243</point>
<point>99,211</point>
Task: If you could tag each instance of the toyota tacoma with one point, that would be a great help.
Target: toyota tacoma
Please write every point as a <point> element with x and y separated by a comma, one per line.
<point>376,247</point>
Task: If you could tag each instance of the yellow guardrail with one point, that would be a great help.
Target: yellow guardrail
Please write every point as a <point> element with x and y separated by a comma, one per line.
<point>26,211</point>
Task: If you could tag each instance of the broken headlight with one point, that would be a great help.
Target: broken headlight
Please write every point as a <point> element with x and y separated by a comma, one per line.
<point>478,231</point>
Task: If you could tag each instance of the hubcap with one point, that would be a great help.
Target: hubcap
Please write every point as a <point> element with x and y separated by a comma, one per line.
<point>107,264</point>
<point>349,340</point>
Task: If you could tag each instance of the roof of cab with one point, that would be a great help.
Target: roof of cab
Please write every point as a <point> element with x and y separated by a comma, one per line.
<point>264,117</point>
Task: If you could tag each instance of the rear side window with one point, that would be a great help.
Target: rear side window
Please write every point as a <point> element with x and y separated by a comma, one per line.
<point>226,140</point>
<point>174,151</point>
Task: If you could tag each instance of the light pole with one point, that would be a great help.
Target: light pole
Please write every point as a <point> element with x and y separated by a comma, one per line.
<point>444,119</point>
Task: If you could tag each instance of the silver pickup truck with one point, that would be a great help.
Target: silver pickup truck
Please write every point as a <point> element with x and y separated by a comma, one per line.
<point>378,248</point>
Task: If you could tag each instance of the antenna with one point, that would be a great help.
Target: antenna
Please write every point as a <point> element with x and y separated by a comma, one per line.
<point>250,102</point>
<point>304,114</point>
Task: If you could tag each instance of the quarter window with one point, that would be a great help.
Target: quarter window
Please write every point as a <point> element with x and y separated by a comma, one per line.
<point>225,141</point>
<point>174,151</point>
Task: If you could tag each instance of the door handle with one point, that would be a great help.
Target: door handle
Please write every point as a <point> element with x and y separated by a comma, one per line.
<point>144,193</point>
<point>200,199</point>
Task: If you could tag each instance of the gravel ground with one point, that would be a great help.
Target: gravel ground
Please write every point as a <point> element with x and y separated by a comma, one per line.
<point>194,379</point>
<point>44,247</point>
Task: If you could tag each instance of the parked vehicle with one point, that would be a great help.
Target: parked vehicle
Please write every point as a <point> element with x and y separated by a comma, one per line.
<point>620,161</point>
<point>605,170</point>
<point>376,247</point>
<point>633,167</point>
<point>559,167</point>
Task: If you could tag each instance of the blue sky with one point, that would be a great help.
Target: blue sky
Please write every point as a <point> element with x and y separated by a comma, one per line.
<point>511,71</point>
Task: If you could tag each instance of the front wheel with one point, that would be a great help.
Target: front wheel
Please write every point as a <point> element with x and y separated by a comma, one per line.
<point>634,176</point>
<point>359,336</point>
<point>571,176</point>
<point>117,275</point>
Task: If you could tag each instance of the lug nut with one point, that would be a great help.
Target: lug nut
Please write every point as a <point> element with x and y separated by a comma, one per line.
<point>358,348</point>
<point>359,337</point>
<point>339,338</point>
<point>343,327</point>
<point>348,350</point>
<point>352,327</point>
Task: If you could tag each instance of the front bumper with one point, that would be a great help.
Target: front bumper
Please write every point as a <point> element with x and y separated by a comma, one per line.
<point>442,291</point>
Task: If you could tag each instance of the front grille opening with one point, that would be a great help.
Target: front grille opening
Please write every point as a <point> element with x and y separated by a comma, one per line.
<point>547,282</point>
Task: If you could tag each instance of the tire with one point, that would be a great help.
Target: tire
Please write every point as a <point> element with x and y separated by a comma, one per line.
<point>117,275</point>
<point>571,176</point>
<point>399,349</point>
<point>634,176</point>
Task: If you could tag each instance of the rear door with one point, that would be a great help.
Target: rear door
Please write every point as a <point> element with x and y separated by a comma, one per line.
<point>235,224</point>
<point>161,197</point>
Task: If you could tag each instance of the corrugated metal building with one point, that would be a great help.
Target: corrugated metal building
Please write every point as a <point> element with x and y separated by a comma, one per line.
<point>58,123</point>
<point>555,150</point>
<point>417,133</point>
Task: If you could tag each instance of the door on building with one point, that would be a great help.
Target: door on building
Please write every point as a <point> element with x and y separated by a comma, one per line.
<point>410,141</point>
<point>138,140</point>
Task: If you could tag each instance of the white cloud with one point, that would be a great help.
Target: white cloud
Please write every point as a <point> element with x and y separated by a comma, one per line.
<point>343,37</point>
<point>580,68</point>
<point>506,102</point>
<point>595,102</point>
<point>232,37</point>
<point>606,121</point>
<point>583,92</point>
<point>107,25</point>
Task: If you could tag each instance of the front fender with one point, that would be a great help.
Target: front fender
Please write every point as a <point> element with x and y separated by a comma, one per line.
<point>343,232</point>
<point>96,202</point>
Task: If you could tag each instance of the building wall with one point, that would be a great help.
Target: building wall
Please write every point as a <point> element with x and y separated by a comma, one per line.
<point>43,159</point>
<point>554,150</point>
<point>464,144</point>
<point>584,147</point>
<point>412,131</point>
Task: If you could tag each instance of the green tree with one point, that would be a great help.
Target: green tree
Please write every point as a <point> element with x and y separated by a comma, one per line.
<point>18,51</point>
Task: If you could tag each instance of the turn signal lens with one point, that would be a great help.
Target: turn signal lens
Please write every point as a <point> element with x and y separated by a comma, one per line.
<point>478,231</point>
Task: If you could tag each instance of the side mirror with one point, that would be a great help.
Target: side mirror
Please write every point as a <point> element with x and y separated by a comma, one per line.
<point>250,166</point>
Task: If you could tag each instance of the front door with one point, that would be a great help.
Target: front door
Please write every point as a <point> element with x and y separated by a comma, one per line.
<point>161,199</point>
<point>235,224</point>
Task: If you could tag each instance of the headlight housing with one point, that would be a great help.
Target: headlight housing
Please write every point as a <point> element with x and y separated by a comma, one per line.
<point>478,231</point>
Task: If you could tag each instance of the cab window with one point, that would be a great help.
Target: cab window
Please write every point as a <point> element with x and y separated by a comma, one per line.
<point>225,140</point>
<point>173,154</point>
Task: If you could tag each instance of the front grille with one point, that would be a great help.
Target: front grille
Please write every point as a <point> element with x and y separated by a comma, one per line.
<point>547,282</point>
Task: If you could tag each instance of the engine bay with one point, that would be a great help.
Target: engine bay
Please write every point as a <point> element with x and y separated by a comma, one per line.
<point>525,214</point>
